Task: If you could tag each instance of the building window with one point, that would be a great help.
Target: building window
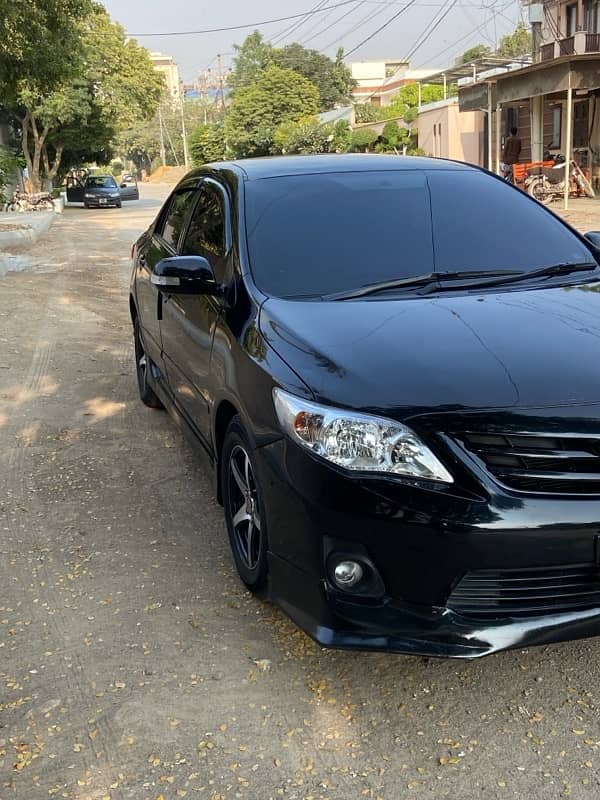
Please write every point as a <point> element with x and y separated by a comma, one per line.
<point>571,19</point>
<point>580,124</point>
<point>555,144</point>
<point>512,119</point>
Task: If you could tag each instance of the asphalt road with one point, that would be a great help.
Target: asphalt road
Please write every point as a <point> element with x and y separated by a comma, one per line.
<point>132,662</point>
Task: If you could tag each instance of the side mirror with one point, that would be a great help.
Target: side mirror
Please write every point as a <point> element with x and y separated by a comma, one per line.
<point>185,275</point>
<point>123,186</point>
<point>593,238</point>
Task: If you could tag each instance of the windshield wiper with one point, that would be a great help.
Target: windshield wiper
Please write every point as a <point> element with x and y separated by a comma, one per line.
<point>421,280</point>
<point>564,268</point>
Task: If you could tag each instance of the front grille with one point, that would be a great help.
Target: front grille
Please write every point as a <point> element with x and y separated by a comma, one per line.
<point>517,593</point>
<point>537,463</point>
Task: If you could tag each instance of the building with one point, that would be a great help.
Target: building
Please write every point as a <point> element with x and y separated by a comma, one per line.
<point>167,67</point>
<point>378,82</point>
<point>553,102</point>
<point>445,132</point>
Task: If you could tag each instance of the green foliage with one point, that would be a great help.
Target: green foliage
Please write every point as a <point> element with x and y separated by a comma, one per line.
<point>518,43</point>
<point>366,112</point>
<point>391,134</point>
<point>9,164</point>
<point>332,78</point>
<point>207,143</point>
<point>113,85</point>
<point>473,53</point>
<point>254,55</point>
<point>39,43</point>
<point>116,168</point>
<point>307,135</point>
<point>257,110</point>
<point>363,138</point>
<point>342,137</point>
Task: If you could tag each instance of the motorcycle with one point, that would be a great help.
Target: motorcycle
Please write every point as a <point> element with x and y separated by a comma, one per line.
<point>22,201</point>
<point>547,184</point>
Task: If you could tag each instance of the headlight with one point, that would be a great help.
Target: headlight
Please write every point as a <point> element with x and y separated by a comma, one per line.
<point>358,442</point>
<point>90,196</point>
<point>115,194</point>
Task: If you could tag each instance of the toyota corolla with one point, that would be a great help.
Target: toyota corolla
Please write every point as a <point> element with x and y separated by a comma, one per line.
<point>392,366</point>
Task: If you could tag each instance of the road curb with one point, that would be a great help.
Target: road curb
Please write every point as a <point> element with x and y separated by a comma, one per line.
<point>20,231</point>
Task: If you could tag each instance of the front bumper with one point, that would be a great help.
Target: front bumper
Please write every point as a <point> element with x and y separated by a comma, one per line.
<point>422,542</point>
<point>104,202</point>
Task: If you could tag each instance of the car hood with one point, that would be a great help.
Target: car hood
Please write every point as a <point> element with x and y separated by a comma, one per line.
<point>448,352</point>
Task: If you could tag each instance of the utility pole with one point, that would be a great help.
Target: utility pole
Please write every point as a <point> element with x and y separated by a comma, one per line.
<point>221,89</point>
<point>163,152</point>
<point>186,156</point>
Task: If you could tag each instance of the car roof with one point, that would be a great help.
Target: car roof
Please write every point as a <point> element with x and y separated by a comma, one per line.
<point>278,166</point>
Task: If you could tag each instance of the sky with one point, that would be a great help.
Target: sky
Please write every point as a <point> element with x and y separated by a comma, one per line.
<point>432,32</point>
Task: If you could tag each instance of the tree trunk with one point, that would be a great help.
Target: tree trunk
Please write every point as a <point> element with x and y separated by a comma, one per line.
<point>52,171</point>
<point>33,160</point>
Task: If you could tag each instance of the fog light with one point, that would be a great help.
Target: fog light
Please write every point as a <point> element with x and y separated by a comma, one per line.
<point>347,574</point>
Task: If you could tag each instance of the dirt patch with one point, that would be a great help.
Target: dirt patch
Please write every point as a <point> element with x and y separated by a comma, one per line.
<point>13,226</point>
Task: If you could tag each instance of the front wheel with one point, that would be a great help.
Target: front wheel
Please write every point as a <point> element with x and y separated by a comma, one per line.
<point>244,508</point>
<point>142,367</point>
<point>538,189</point>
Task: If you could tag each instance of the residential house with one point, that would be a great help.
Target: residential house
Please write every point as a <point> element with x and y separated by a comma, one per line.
<point>168,68</point>
<point>378,82</point>
<point>445,132</point>
<point>553,102</point>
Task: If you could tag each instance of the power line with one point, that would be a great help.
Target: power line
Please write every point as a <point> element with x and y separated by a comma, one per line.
<point>430,30</point>
<point>297,24</point>
<point>381,27</point>
<point>467,35</point>
<point>332,24</point>
<point>367,18</point>
<point>247,25</point>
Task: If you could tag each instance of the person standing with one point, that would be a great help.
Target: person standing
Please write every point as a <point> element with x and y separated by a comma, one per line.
<point>510,154</point>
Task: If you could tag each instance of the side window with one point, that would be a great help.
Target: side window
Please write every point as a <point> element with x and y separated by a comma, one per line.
<point>174,220</point>
<point>206,233</point>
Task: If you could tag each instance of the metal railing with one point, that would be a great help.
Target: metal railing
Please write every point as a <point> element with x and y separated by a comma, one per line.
<point>592,42</point>
<point>566,47</point>
<point>547,52</point>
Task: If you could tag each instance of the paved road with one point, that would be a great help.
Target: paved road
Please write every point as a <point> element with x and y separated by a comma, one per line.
<point>132,662</point>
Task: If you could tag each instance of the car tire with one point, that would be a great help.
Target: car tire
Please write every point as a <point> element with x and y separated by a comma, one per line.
<point>142,366</point>
<point>119,205</point>
<point>86,205</point>
<point>244,508</point>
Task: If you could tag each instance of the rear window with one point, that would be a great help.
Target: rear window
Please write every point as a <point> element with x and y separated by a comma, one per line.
<point>319,234</point>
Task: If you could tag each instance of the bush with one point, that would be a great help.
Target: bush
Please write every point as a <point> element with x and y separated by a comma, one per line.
<point>363,138</point>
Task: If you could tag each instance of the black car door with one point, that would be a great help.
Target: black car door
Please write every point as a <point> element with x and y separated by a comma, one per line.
<point>129,189</point>
<point>75,189</point>
<point>189,321</point>
<point>161,243</point>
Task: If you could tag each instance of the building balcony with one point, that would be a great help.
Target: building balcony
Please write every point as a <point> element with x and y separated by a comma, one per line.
<point>578,44</point>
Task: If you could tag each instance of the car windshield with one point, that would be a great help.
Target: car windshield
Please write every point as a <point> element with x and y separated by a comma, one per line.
<point>314,235</point>
<point>101,182</point>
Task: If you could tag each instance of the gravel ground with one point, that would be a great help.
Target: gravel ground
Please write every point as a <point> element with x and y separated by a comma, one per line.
<point>132,662</point>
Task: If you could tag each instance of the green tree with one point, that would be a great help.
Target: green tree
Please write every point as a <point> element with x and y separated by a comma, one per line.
<point>254,55</point>
<point>342,137</point>
<point>307,135</point>
<point>391,134</point>
<point>518,43</point>
<point>40,42</point>
<point>363,139</point>
<point>332,78</point>
<point>473,53</point>
<point>207,143</point>
<point>114,85</point>
<point>257,110</point>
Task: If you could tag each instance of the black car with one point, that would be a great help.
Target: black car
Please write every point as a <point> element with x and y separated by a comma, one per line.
<point>100,191</point>
<point>392,366</point>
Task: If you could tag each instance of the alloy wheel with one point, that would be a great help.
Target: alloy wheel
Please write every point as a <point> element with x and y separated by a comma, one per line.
<point>244,508</point>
